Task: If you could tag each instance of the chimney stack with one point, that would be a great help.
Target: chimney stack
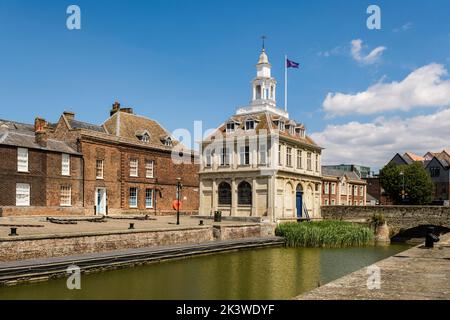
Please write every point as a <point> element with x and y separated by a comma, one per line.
<point>69,115</point>
<point>40,132</point>
<point>115,108</point>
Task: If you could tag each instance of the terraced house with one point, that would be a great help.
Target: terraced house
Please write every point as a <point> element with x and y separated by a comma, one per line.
<point>123,165</point>
<point>259,162</point>
<point>38,174</point>
<point>341,187</point>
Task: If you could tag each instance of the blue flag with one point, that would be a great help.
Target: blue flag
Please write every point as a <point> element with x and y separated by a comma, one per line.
<point>292,64</point>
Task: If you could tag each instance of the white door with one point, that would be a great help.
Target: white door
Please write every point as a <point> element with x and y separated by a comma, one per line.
<point>100,201</point>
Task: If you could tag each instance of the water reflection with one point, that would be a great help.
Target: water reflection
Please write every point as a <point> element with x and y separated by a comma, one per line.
<point>275,273</point>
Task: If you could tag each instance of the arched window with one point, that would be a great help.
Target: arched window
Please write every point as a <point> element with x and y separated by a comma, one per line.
<point>244,193</point>
<point>258,92</point>
<point>224,193</point>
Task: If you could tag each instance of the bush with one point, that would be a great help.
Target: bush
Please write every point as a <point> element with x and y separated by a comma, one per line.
<point>324,234</point>
<point>377,220</point>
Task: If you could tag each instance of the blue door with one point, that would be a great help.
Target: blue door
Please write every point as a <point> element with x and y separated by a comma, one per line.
<point>299,204</point>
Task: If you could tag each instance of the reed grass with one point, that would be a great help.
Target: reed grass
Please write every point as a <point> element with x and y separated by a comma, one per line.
<point>334,234</point>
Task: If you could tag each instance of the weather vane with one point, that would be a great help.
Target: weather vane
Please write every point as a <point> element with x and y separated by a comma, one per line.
<point>263,42</point>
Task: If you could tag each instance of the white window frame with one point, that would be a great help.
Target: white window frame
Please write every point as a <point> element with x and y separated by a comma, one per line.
<point>149,196</point>
<point>281,126</point>
<point>145,137</point>
<point>327,188</point>
<point>317,163</point>
<point>65,164</point>
<point>333,202</point>
<point>249,127</point>
<point>262,154</point>
<point>244,155</point>
<point>24,190</point>
<point>326,202</point>
<point>149,168</point>
<point>309,161</point>
<point>288,156</point>
<point>22,160</point>
<point>208,158</point>
<point>67,202</point>
<point>225,156</point>
<point>231,127</point>
<point>134,168</point>
<point>99,168</point>
<point>135,197</point>
<point>299,159</point>
<point>280,155</point>
<point>333,188</point>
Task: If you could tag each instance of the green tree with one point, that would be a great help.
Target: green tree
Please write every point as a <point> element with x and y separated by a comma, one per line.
<point>413,179</point>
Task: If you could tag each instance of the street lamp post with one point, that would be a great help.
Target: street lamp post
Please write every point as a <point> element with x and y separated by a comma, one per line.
<point>179,186</point>
<point>402,174</point>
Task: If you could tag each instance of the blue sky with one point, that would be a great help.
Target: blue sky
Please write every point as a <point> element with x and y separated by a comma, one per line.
<point>180,61</point>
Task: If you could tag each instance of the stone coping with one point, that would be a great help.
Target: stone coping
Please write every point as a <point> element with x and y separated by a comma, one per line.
<point>116,232</point>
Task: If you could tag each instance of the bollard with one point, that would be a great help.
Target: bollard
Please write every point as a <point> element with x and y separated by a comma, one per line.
<point>201,223</point>
<point>13,232</point>
<point>430,238</point>
<point>131,226</point>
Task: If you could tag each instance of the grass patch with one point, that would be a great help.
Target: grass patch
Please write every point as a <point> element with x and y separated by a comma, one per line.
<point>328,233</point>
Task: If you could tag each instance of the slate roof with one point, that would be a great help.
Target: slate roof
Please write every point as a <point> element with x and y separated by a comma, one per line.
<point>75,124</point>
<point>22,135</point>
<point>351,175</point>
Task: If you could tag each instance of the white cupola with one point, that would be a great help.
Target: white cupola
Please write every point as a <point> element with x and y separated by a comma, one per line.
<point>264,86</point>
<point>263,90</point>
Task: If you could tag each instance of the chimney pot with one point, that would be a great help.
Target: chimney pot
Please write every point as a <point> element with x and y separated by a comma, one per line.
<point>115,108</point>
<point>40,132</point>
<point>69,115</point>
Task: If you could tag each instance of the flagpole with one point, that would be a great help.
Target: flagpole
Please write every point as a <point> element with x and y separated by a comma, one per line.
<point>285,83</point>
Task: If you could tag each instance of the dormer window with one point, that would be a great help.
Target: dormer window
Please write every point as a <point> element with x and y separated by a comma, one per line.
<point>145,137</point>
<point>249,125</point>
<point>292,129</point>
<point>300,132</point>
<point>168,142</point>
<point>231,126</point>
<point>281,126</point>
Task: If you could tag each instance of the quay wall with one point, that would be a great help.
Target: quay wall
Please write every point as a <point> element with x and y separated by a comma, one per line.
<point>45,246</point>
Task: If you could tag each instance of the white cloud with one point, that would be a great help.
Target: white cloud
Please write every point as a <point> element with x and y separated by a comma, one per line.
<point>424,87</point>
<point>333,52</point>
<point>404,27</point>
<point>375,143</point>
<point>371,58</point>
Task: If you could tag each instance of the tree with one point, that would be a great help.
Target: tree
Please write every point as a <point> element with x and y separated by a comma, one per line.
<point>412,179</point>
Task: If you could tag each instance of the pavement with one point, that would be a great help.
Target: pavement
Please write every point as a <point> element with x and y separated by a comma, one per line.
<point>415,274</point>
<point>39,226</point>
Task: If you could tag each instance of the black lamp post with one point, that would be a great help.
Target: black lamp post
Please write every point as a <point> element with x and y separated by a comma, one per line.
<point>179,187</point>
<point>402,174</point>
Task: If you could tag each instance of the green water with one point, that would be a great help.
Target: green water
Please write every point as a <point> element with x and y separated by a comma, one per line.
<point>275,273</point>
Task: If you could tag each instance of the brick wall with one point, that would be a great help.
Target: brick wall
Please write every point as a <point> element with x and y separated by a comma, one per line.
<point>54,246</point>
<point>44,247</point>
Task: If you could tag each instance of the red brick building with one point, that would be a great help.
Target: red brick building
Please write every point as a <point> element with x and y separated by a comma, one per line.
<point>38,175</point>
<point>125,166</point>
<point>341,187</point>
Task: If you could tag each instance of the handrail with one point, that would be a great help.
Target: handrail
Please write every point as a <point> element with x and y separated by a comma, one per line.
<point>305,211</point>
